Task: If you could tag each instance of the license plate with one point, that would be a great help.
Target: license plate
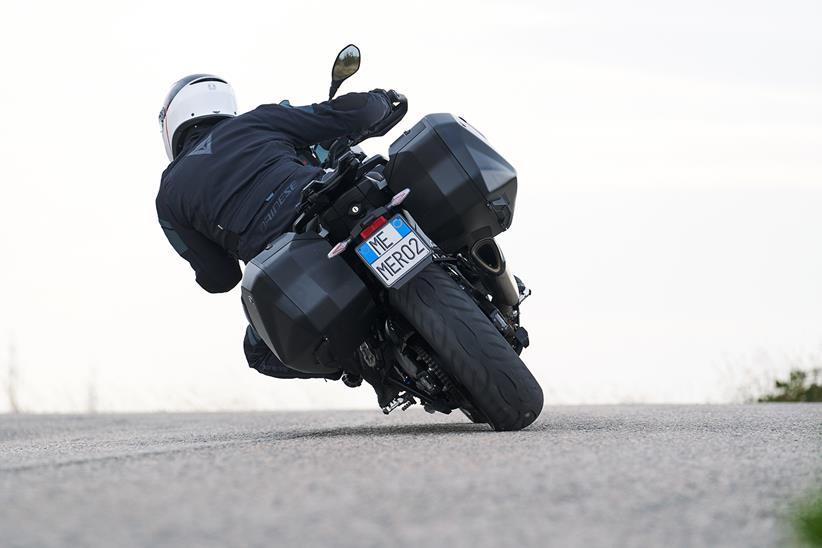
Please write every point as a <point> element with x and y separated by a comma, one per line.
<point>393,250</point>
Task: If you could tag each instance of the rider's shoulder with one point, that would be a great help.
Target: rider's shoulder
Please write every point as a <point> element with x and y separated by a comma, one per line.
<point>283,106</point>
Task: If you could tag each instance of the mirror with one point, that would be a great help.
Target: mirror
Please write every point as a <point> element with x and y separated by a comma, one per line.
<point>345,65</point>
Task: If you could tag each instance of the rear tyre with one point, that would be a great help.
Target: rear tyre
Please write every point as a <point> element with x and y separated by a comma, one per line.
<point>470,349</point>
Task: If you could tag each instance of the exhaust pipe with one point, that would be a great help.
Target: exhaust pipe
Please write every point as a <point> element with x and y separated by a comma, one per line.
<point>487,255</point>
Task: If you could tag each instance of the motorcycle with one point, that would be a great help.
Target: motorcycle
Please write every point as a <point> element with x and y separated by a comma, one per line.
<point>392,264</point>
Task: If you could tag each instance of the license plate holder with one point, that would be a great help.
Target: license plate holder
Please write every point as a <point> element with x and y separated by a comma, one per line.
<point>393,251</point>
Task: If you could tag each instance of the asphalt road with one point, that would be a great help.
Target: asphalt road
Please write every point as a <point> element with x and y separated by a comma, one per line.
<point>581,476</point>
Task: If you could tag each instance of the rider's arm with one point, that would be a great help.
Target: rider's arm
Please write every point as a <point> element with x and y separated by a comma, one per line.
<point>216,271</point>
<point>348,114</point>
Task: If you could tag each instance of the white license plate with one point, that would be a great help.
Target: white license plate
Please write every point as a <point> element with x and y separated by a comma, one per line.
<point>393,250</point>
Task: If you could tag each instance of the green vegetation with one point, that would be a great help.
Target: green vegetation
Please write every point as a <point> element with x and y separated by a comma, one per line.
<point>808,523</point>
<point>801,386</point>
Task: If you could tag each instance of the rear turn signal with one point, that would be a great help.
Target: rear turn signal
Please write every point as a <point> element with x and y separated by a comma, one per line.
<point>400,197</point>
<point>339,248</point>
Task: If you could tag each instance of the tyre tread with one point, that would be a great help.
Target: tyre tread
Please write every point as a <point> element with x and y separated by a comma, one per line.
<point>473,351</point>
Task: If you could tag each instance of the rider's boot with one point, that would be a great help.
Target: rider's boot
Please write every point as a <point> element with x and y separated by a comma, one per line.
<point>259,357</point>
<point>386,392</point>
<point>351,380</point>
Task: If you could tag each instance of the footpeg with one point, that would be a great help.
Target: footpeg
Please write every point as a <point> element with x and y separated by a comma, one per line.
<point>405,400</point>
<point>523,291</point>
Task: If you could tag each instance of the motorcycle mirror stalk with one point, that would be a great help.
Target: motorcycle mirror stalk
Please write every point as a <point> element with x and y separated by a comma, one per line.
<point>346,64</point>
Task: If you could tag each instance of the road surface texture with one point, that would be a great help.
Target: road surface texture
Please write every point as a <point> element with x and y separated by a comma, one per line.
<point>581,476</point>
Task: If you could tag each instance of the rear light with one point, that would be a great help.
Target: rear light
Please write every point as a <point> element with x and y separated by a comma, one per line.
<point>372,228</point>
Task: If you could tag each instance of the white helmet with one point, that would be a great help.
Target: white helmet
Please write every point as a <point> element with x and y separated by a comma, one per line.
<point>191,100</point>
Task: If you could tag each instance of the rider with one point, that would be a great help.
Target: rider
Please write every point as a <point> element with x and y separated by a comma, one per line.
<point>234,182</point>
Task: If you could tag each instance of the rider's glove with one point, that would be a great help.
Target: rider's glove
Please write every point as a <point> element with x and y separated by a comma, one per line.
<point>391,96</point>
<point>395,97</point>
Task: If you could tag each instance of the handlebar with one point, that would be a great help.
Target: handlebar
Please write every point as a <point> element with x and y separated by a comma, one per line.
<point>398,112</point>
<point>399,108</point>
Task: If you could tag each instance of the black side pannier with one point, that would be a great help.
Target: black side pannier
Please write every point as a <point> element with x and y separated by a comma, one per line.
<point>312,312</point>
<point>462,190</point>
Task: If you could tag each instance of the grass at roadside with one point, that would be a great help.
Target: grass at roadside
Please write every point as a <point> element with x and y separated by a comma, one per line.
<point>808,522</point>
<point>799,386</point>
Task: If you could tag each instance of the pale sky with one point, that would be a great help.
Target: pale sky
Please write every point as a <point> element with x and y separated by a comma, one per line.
<point>670,186</point>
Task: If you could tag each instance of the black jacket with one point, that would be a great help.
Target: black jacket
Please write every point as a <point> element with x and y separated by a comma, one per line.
<point>228,194</point>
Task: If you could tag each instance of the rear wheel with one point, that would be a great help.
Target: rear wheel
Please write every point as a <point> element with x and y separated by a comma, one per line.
<point>470,349</point>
